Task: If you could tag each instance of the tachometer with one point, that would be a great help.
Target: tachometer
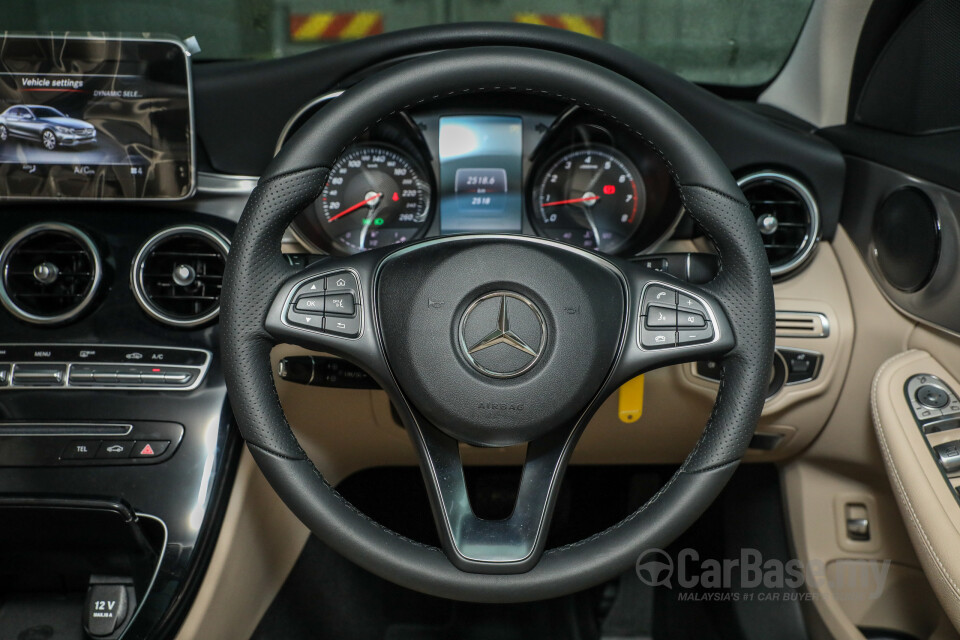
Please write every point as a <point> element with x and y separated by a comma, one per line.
<point>374,196</point>
<point>592,197</point>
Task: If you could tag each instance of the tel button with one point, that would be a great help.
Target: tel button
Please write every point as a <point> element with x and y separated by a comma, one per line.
<point>80,449</point>
<point>655,294</point>
<point>652,339</point>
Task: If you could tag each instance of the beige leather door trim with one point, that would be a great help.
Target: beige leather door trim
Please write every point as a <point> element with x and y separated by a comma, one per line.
<point>926,500</point>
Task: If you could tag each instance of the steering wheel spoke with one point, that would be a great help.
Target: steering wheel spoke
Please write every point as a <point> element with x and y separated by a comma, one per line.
<point>478,545</point>
<point>672,322</point>
<point>328,307</point>
<point>494,340</point>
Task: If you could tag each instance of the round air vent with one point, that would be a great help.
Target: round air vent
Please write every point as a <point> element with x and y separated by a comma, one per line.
<point>787,217</point>
<point>177,275</point>
<point>51,272</point>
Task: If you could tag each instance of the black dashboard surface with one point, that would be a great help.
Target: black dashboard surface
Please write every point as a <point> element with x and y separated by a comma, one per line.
<point>230,95</point>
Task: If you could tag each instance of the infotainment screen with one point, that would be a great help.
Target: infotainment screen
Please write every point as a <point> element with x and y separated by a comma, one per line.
<point>481,159</point>
<point>95,118</point>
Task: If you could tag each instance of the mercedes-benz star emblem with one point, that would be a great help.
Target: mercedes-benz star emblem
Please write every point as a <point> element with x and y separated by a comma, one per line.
<point>502,334</point>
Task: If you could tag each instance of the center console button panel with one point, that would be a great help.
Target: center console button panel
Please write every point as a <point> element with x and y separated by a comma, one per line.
<point>69,366</point>
<point>94,444</point>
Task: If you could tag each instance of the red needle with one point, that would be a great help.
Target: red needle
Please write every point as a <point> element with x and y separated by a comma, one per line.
<point>354,207</point>
<point>559,202</point>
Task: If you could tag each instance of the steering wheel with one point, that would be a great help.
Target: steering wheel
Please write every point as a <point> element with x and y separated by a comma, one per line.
<point>496,340</point>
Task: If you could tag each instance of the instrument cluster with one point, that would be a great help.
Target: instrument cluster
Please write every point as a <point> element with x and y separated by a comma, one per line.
<point>539,169</point>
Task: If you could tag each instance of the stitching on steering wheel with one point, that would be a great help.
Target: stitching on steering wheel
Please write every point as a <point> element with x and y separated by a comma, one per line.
<point>683,191</point>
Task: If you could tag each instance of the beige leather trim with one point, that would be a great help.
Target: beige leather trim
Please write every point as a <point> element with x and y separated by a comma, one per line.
<point>905,603</point>
<point>259,542</point>
<point>806,407</point>
<point>344,431</point>
<point>844,464</point>
<point>926,499</point>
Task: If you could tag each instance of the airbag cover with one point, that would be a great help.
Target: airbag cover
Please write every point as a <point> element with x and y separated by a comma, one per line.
<point>564,314</point>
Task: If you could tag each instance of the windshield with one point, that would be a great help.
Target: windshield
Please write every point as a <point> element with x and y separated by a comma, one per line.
<point>46,112</point>
<point>734,42</point>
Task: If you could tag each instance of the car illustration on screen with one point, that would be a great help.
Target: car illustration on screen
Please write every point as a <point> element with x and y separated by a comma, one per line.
<point>46,125</point>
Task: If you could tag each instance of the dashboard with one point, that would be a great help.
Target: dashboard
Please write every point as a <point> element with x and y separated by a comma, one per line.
<point>117,439</point>
<point>112,389</point>
<point>534,167</point>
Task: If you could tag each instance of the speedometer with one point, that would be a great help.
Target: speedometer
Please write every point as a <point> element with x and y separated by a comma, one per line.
<point>592,197</point>
<point>374,196</point>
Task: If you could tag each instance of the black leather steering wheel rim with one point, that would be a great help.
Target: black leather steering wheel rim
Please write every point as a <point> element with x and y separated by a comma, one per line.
<point>295,178</point>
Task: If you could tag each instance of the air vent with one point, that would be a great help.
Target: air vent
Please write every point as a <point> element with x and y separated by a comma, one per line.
<point>177,275</point>
<point>802,324</point>
<point>51,272</point>
<point>787,217</point>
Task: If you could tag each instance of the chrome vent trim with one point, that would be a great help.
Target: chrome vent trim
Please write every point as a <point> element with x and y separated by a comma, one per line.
<point>802,324</point>
<point>139,277</point>
<point>86,247</point>
<point>802,197</point>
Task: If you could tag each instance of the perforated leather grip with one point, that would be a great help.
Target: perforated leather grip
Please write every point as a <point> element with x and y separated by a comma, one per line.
<point>294,179</point>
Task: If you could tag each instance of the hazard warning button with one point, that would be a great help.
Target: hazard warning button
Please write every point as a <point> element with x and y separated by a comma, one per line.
<point>149,448</point>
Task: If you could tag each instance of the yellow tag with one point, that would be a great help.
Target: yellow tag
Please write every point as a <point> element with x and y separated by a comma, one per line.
<point>631,400</point>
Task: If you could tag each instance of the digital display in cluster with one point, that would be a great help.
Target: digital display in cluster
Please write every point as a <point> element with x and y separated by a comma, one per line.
<point>480,174</point>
